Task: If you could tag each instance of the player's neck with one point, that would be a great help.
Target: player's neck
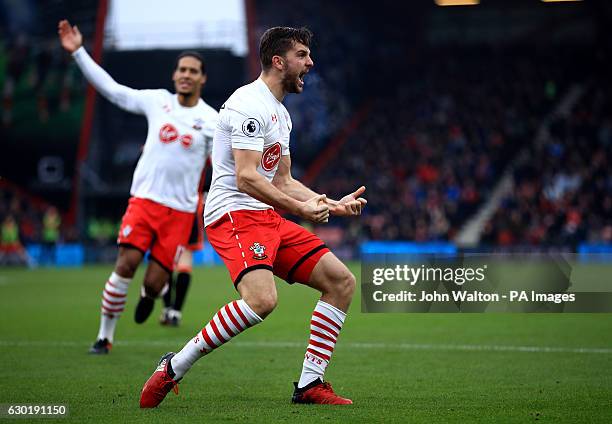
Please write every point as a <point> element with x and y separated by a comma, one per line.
<point>188,100</point>
<point>274,84</point>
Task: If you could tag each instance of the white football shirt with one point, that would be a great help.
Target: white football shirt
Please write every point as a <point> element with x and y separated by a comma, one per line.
<point>251,119</point>
<point>178,141</point>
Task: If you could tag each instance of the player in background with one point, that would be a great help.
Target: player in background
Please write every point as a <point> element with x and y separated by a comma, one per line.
<point>251,177</point>
<point>164,192</point>
<point>175,294</point>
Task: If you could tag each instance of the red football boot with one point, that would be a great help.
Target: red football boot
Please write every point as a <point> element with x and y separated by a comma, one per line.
<point>319,393</point>
<point>159,384</point>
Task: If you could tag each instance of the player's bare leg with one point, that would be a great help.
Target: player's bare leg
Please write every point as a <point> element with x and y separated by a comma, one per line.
<point>178,285</point>
<point>337,285</point>
<point>155,279</point>
<point>258,292</point>
<point>114,296</point>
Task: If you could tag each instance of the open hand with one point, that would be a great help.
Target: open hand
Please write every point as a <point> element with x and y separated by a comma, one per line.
<point>69,36</point>
<point>350,205</point>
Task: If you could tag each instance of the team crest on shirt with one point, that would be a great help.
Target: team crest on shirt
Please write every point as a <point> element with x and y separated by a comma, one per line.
<point>198,124</point>
<point>251,127</point>
<point>259,251</point>
<point>126,230</point>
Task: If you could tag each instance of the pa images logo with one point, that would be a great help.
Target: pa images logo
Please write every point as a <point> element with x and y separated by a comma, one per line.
<point>259,251</point>
<point>251,127</point>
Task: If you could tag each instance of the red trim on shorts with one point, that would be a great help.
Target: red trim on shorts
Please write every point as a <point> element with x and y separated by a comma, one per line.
<point>131,246</point>
<point>249,269</point>
<point>153,258</point>
<point>303,259</point>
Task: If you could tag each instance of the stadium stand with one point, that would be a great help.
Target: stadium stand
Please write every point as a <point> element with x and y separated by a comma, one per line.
<point>563,186</point>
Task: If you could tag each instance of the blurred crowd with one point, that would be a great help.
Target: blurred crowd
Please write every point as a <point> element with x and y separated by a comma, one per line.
<point>563,187</point>
<point>432,148</point>
<point>36,78</point>
<point>443,124</point>
<point>35,70</point>
<point>27,221</point>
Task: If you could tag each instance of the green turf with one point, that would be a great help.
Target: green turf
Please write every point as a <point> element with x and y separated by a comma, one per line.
<point>412,368</point>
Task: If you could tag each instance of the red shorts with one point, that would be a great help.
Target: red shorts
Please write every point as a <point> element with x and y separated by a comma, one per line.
<point>247,240</point>
<point>148,225</point>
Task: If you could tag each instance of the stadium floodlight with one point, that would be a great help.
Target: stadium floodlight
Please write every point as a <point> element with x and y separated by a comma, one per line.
<point>457,2</point>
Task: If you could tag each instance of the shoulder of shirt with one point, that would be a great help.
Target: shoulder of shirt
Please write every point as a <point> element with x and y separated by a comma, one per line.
<point>247,99</point>
<point>207,109</point>
<point>285,110</point>
<point>160,93</point>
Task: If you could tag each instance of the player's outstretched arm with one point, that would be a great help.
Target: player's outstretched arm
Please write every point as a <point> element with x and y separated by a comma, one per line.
<point>251,182</point>
<point>72,41</point>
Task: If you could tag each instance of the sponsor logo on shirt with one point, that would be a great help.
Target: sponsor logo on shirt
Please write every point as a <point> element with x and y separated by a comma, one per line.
<point>168,133</point>
<point>271,157</point>
<point>186,140</point>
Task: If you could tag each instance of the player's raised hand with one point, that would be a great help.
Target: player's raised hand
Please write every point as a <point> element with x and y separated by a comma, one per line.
<point>349,205</point>
<point>69,36</point>
<point>315,209</point>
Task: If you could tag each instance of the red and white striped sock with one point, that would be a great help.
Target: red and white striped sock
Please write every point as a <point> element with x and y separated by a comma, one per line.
<point>325,327</point>
<point>113,304</point>
<point>228,322</point>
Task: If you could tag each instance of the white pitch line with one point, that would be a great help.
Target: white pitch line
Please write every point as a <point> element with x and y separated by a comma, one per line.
<point>349,345</point>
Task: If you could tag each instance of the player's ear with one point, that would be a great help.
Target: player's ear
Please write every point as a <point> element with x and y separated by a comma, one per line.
<point>204,79</point>
<point>278,62</point>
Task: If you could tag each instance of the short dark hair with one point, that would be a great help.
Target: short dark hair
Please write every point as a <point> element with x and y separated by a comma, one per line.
<point>194,54</point>
<point>278,41</point>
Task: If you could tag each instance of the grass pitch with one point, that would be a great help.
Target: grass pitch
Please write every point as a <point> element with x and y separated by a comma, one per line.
<point>426,368</point>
